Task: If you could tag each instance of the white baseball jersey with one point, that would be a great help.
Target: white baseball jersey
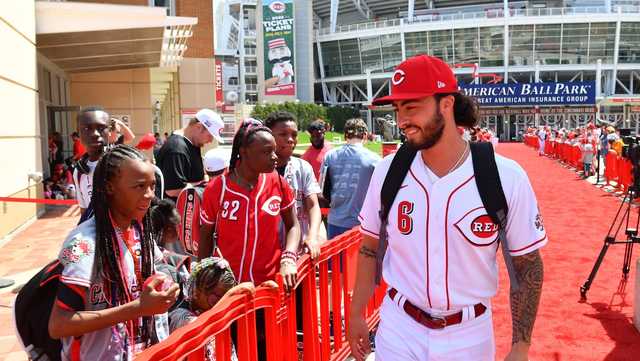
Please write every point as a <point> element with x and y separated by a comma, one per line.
<point>283,71</point>
<point>84,184</point>
<point>77,256</point>
<point>442,244</point>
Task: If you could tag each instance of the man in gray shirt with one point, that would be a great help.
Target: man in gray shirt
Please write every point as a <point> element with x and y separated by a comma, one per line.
<point>345,176</point>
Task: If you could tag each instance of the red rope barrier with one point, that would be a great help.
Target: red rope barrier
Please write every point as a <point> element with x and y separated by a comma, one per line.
<point>67,202</point>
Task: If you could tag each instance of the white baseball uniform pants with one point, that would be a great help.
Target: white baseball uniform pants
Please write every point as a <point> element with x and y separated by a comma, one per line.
<point>540,146</point>
<point>401,338</point>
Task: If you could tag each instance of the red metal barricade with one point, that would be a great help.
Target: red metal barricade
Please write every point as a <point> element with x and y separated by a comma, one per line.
<point>324,292</point>
<point>611,168</point>
<point>625,176</point>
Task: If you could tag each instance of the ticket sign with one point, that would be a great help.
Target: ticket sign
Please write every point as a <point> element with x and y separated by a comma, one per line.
<point>278,27</point>
<point>570,93</point>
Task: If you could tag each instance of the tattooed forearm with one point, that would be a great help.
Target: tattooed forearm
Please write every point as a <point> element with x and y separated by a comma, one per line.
<point>524,302</point>
<point>368,252</point>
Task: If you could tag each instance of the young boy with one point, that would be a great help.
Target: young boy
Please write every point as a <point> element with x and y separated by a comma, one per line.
<point>93,126</point>
<point>216,162</point>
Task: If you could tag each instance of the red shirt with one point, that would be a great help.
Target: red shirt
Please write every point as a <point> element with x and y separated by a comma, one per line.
<point>78,149</point>
<point>248,223</point>
<point>315,157</point>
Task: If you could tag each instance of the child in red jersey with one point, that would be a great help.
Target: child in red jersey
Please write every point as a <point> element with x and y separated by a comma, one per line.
<point>245,207</point>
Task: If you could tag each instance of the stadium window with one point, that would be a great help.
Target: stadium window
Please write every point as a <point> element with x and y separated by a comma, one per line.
<point>331,58</point>
<point>350,57</point>
<point>575,39</point>
<point>629,43</point>
<point>441,45</point>
<point>391,46</point>
<point>467,43</point>
<point>416,43</point>
<point>491,49</point>
<point>547,43</point>
<point>521,45</point>
<point>371,54</point>
<point>602,42</point>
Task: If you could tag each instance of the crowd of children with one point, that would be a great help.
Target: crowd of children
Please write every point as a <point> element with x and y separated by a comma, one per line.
<point>126,279</point>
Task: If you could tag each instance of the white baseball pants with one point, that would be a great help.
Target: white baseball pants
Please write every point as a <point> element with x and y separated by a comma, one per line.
<point>401,338</point>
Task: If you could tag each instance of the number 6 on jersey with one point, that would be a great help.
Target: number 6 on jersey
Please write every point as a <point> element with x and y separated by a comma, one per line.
<point>405,222</point>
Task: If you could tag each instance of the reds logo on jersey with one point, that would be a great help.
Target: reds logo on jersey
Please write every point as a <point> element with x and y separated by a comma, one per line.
<point>478,228</point>
<point>272,205</point>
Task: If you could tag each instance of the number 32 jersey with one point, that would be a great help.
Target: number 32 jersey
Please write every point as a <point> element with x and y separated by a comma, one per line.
<point>248,223</point>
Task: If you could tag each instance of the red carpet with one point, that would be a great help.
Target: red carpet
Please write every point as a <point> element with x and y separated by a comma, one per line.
<point>576,217</point>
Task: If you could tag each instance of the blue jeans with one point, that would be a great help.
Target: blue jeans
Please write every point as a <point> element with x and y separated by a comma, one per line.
<point>334,231</point>
<point>587,169</point>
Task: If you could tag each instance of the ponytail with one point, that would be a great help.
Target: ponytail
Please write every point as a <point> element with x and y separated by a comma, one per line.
<point>465,109</point>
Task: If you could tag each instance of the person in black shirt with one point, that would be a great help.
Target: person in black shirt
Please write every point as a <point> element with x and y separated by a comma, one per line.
<point>180,158</point>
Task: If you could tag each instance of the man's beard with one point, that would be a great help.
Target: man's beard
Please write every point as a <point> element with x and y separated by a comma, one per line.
<point>432,134</point>
<point>318,144</point>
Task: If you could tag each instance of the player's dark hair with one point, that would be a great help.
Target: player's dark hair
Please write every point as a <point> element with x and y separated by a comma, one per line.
<point>465,109</point>
<point>245,135</point>
<point>163,214</point>
<point>106,263</point>
<point>277,117</point>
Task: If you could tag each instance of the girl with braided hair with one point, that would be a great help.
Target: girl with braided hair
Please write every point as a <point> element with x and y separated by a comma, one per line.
<point>211,281</point>
<point>245,207</point>
<point>103,311</point>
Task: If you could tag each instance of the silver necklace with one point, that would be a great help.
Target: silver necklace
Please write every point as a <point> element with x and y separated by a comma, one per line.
<point>462,156</point>
<point>242,180</point>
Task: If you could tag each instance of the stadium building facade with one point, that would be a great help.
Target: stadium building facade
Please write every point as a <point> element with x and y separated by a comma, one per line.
<point>556,63</point>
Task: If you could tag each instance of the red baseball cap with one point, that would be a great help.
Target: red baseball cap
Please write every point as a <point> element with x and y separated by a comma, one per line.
<point>147,142</point>
<point>419,77</point>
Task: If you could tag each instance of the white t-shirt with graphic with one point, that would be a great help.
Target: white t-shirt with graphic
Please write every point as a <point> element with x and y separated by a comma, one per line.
<point>84,184</point>
<point>77,256</point>
<point>299,175</point>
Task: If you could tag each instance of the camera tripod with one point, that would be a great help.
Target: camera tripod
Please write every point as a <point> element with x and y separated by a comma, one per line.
<point>623,217</point>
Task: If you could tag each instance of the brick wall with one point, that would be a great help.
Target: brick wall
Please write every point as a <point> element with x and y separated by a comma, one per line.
<point>201,44</point>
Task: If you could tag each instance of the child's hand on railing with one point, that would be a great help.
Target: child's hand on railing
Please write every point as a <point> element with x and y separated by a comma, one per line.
<point>269,284</point>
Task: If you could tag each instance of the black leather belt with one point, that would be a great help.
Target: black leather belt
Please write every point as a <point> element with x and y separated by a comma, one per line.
<point>434,322</point>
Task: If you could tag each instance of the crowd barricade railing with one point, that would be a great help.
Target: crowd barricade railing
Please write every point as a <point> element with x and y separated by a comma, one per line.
<point>624,173</point>
<point>548,147</point>
<point>556,150</point>
<point>326,286</point>
<point>611,168</point>
<point>577,157</point>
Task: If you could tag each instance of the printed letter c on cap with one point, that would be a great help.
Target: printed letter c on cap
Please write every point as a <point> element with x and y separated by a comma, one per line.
<point>398,77</point>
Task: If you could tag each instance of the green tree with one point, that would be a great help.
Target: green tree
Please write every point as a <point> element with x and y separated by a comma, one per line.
<point>305,113</point>
<point>337,116</point>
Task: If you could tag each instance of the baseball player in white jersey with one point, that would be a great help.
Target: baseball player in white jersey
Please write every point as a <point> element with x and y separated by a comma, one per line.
<point>440,264</point>
<point>542,136</point>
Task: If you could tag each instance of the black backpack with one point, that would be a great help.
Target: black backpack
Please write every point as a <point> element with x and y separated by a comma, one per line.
<point>489,187</point>
<point>32,310</point>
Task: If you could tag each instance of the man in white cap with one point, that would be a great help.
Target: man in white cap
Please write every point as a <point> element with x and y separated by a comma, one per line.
<point>180,158</point>
<point>216,162</point>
